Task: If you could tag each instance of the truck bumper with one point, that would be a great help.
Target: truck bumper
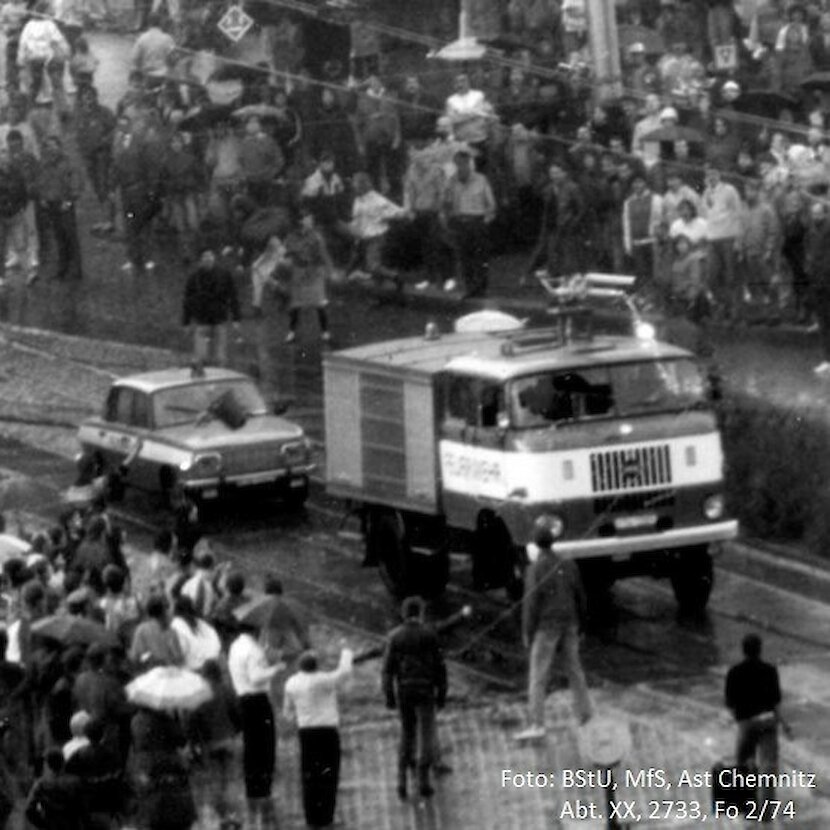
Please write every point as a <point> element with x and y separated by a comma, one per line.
<point>614,546</point>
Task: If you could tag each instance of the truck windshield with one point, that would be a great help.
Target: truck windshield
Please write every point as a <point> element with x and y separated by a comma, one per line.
<point>186,404</point>
<point>619,390</point>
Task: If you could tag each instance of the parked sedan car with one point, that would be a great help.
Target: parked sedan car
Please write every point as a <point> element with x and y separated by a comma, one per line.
<point>206,430</point>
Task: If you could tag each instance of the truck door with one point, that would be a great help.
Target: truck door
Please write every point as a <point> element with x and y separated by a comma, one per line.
<point>471,447</point>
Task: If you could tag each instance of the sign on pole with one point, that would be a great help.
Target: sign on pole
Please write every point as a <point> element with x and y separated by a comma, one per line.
<point>235,23</point>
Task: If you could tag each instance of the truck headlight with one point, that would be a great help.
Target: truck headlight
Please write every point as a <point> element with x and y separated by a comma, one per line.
<point>713,507</point>
<point>203,464</point>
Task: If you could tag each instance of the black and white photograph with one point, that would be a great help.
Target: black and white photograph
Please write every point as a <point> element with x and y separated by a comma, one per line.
<point>414,414</point>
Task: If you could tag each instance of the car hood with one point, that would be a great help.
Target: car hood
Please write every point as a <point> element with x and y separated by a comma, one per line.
<point>215,434</point>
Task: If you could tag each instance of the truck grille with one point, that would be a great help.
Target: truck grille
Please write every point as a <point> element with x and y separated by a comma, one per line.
<point>630,469</point>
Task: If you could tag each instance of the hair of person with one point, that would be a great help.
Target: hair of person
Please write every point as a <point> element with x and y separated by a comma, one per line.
<point>95,656</point>
<point>72,659</point>
<point>14,135</point>
<point>752,645</point>
<point>156,607</point>
<point>114,579</point>
<point>32,593</point>
<point>308,661</point>
<point>96,528</point>
<point>153,21</point>
<point>95,729</point>
<point>163,542</point>
<point>185,609</point>
<point>235,583</point>
<point>212,671</point>
<point>412,608</point>
<point>273,585</point>
<point>689,204</point>
<point>54,759</point>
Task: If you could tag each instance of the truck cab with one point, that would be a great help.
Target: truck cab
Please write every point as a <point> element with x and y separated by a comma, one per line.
<point>462,441</point>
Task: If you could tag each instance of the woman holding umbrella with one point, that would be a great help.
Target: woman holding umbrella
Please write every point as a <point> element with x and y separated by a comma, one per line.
<point>251,679</point>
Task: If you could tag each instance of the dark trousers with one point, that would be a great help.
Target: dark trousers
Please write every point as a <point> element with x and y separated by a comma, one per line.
<point>435,254</point>
<point>259,754</point>
<point>792,251</point>
<point>723,275</point>
<point>138,220</point>
<point>320,768</point>
<point>294,318</point>
<point>12,71</point>
<point>417,732</point>
<point>61,223</point>
<point>471,248</point>
<point>98,164</point>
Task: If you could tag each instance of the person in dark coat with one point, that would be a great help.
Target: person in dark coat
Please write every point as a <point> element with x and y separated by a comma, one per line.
<point>94,131</point>
<point>210,303</point>
<point>753,695</point>
<point>55,800</point>
<point>415,683</point>
<point>101,777</point>
<point>168,804</point>
<point>13,199</point>
<point>59,704</point>
<point>59,187</point>
<point>98,692</point>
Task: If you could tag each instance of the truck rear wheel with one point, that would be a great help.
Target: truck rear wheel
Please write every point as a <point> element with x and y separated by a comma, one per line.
<point>388,545</point>
<point>692,579</point>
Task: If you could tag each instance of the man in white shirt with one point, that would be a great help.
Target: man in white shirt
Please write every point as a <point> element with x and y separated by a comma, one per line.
<point>470,113</point>
<point>311,699</point>
<point>723,209</point>
<point>251,679</point>
<point>152,49</point>
<point>200,587</point>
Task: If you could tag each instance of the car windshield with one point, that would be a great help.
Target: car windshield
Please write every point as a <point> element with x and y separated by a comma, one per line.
<point>186,404</point>
<point>620,390</point>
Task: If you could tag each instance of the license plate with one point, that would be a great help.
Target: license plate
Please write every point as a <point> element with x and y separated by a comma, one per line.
<point>635,522</point>
<point>210,493</point>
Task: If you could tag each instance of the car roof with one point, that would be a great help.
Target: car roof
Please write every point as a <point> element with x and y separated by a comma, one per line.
<point>488,354</point>
<point>150,382</point>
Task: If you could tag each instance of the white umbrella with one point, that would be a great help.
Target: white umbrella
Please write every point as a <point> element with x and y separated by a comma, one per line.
<point>488,320</point>
<point>12,547</point>
<point>167,688</point>
<point>466,48</point>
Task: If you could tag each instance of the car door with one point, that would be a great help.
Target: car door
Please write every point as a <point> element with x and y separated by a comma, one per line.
<point>115,436</point>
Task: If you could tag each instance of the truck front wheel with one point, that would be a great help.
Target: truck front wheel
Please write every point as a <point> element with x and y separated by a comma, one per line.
<point>692,579</point>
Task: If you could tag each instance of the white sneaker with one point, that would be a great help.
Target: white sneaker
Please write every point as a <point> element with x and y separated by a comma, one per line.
<point>149,266</point>
<point>127,267</point>
<point>422,285</point>
<point>326,337</point>
<point>823,368</point>
<point>12,262</point>
<point>290,337</point>
<point>358,276</point>
<point>450,285</point>
<point>532,733</point>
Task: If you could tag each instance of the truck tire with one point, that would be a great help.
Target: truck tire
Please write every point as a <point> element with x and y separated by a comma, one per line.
<point>387,544</point>
<point>692,579</point>
<point>496,560</point>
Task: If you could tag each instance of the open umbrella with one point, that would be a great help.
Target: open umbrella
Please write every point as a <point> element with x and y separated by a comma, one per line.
<point>257,610</point>
<point>167,688</point>
<point>257,111</point>
<point>206,117</point>
<point>12,547</point>
<point>764,102</point>
<point>817,81</point>
<point>70,630</point>
<point>676,132</point>
<point>652,40</point>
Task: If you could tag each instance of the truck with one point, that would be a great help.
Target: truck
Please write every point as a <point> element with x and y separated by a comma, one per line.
<point>464,441</point>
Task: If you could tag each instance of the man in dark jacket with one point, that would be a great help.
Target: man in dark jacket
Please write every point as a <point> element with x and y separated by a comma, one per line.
<point>415,682</point>
<point>553,607</point>
<point>95,128</point>
<point>13,198</point>
<point>55,801</point>
<point>210,303</point>
<point>59,187</point>
<point>753,695</point>
<point>817,263</point>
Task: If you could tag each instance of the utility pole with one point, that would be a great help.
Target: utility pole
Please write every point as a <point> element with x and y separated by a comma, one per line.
<point>605,48</point>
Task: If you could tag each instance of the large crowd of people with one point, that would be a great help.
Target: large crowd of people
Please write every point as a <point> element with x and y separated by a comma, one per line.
<point>699,177</point>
